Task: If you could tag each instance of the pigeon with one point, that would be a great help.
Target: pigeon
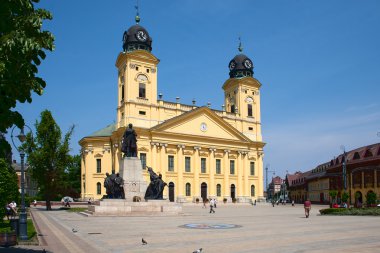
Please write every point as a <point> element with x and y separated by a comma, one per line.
<point>143,241</point>
<point>74,230</point>
<point>198,250</point>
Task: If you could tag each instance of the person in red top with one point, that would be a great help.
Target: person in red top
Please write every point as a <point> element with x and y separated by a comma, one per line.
<point>307,206</point>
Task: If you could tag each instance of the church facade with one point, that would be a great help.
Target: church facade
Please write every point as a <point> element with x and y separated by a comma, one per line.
<point>200,152</point>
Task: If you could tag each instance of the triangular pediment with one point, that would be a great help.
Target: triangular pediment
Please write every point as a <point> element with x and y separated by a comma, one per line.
<point>201,122</point>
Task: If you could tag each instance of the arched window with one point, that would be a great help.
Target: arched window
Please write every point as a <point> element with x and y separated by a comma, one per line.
<point>218,190</point>
<point>142,90</point>
<point>252,190</point>
<point>98,188</point>
<point>188,189</point>
<point>356,156</point>
<point>250,110</point>
<point>368,153</point>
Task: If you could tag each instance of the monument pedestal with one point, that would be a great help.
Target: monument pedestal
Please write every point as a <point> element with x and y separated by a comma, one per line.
<point>121,207</point>
<point>134,183</point>
<point>134,186</point>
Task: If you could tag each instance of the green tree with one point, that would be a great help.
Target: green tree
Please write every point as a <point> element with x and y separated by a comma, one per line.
<point>371,198</point>
<point>48,156</point>
<point>345,197</point>
<point>72,177</point>
<point>22,48</point>
<point>333,195</point>
<point>8,186</point>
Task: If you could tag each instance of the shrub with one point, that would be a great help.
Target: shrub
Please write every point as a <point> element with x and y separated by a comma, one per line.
<point>371,198</point>
<point>345,196</point>
<point>8,187</point>
<point>351,211</point>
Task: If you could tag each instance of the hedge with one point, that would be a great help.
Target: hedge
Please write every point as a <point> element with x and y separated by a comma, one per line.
<point>351,211</point>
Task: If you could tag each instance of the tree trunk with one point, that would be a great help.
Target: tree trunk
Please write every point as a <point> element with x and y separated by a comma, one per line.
<point>48,205</point>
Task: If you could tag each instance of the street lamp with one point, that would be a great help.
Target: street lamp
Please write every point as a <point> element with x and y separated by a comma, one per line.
<point>266,177</point>
<point>344,172</point>
<point>22,217</point>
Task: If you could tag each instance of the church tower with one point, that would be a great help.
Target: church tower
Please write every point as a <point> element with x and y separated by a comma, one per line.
<point>242,95</point>
<point>137,77</point>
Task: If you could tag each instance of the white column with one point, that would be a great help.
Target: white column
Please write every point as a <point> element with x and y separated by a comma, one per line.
<point>197,187</point>
<point>211,166</point>
<point>226,172</point>
<point>180,167</point>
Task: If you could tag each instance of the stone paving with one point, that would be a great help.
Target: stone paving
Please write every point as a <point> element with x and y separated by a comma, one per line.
<point>260,228</point>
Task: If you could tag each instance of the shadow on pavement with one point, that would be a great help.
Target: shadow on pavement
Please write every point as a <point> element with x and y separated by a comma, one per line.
<point>20,250</point>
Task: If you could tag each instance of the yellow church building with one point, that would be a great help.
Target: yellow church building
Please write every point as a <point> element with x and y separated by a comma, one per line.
<point>200,152</point>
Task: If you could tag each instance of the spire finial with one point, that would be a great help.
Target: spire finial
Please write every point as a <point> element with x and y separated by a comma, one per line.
<point>240,48</point>
<point>137,18</point>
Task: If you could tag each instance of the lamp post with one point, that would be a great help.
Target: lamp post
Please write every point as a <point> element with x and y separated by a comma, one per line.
<point>266,177</point>
<point>344,172</point>
<point>22,217</point>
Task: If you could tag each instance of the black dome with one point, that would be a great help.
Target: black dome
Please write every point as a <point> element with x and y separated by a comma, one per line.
<point>137,37</point>
<point>240,66</point>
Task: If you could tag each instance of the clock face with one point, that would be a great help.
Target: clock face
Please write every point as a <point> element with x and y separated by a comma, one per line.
<point>141,36</point>
<point>232,65</point>
<point>203,127</point>
<point>248,64</point>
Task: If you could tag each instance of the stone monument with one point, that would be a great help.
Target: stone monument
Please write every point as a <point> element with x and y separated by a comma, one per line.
<point>135,201</point>
<point>134,183</point>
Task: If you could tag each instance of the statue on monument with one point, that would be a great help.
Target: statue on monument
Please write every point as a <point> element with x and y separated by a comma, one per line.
<point>114,185</point>
<point>156,186</point>
<point>129,146</point>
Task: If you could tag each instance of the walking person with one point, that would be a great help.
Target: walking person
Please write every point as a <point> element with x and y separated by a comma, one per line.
<point>215,201</point>
<point>307,206</point>
<point>212,202</point>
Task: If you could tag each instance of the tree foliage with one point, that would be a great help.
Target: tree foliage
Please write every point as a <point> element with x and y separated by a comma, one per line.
<point>48,156</point>
<point>22,48</point>
<point>72,178</point>
<point>8,186</point>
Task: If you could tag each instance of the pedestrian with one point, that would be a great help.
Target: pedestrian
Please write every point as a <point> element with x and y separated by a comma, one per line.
<point>273,203</point>
<point>307,206</point>
<point>9,210</point>
<point>34,203</point>
<point>204,203</point>
<point>212,202</point>
<point>255,202</point>
<point>292,202</point>
<point>215,203</point>
<point>13,206</point>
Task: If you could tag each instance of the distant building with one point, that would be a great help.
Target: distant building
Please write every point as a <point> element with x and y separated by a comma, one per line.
<point>356,172</point>
<point>30,186</point>
<point>275,187</point>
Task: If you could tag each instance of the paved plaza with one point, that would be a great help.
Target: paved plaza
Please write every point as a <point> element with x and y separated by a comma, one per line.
<point>260,228</point>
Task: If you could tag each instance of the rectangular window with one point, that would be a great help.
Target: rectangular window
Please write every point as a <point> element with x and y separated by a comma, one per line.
<point>233,108</point>
<point>250,110</point>
<point>187,164</point>
<point>232,167</point>
<point>203,165</point>
<point>252,168</point>
<point>142,90</point>
<point>98,165</point>
<point>170,163</point>
<point>218,166</point>
<point>143,160</point>
<point>142,112</point>
<point>122,92</point>
<point>250,128</point>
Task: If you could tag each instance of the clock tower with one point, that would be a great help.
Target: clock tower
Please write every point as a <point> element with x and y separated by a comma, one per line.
<point>242,95</point>
<point>137,77</point>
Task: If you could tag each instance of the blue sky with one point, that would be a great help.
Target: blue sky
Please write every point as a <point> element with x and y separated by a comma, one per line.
<point>318,62</point>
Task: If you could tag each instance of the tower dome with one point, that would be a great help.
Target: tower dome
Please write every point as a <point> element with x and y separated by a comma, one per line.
<point>137,37</point>
<point>240,65</point>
